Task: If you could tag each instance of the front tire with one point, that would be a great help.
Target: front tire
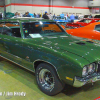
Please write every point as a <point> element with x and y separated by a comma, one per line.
<point>47,79</point>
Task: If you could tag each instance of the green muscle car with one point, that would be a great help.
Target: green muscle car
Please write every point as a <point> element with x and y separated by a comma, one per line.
<point>56,58</point>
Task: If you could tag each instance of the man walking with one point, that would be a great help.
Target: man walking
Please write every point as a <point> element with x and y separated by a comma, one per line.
<point>45,15</point>
<point>72,17</point>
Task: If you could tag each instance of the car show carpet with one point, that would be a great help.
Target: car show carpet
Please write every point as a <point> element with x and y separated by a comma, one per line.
<point>17,83</point>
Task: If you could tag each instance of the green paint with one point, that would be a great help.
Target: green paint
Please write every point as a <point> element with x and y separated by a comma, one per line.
<point>67,57</point>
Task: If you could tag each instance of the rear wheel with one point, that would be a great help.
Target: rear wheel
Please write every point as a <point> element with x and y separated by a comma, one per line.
<point>47,79</point>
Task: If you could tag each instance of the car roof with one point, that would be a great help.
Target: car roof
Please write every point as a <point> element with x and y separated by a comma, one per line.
<point>90,26</point>
<point>92,18</point>
<point>95,23</point>
<point>26,19</point>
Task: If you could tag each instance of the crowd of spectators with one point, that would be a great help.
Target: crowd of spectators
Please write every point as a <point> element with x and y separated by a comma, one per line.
<point>34,15</point>
<point>46,15</point>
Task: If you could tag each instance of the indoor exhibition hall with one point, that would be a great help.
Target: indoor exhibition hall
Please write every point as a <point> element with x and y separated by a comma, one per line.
<point>49,49</point>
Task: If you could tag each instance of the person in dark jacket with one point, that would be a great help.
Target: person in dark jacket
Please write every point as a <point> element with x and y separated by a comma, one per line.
<point>45,15</point>
<point>26,14</point>
<point>0,15</point>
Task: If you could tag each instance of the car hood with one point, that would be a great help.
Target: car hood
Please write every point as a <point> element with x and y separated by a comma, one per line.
<point>74,24</point>
<point>77,24</point>
<point>85,48</point>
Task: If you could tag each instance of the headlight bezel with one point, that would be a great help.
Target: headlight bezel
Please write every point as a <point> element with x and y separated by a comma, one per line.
<point>91,70</point>
<point>88,69</point>
<point>85,71</point>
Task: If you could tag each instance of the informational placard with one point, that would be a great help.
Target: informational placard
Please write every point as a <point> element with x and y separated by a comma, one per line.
<point>35,35</point>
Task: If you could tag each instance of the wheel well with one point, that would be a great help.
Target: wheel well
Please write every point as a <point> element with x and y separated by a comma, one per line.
<point>36,63</point>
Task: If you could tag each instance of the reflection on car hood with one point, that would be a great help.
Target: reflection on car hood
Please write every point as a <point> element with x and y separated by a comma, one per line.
<point>78,46</point>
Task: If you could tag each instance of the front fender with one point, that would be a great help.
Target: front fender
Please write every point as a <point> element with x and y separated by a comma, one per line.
<point>66,65</point>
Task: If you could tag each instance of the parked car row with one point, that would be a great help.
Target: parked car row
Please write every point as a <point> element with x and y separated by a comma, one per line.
<point>86,28</point>
<point>61,20</point>
<point>91,31</point>
<point>82,23</point>
<point>57,58</point>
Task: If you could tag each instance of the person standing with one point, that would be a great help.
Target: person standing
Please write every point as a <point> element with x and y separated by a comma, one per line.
<point>26,14</point>
<point>34,15</point>
<point>54,16</point>
<point>45,16</point>
<point>66,16</point>
<point>76,17</point>
<point>37,16</point>
<point>50,16</point>
<point>72,17</point>
<point>1,15</point>
<point>90,16</point>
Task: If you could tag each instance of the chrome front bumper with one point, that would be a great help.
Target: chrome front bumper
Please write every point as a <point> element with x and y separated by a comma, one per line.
<point>78,82</point>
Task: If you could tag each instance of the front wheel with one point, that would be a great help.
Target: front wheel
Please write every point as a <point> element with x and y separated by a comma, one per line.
<point>47,79</point>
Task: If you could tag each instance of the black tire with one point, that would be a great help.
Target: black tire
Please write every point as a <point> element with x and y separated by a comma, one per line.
<point>47,79</point>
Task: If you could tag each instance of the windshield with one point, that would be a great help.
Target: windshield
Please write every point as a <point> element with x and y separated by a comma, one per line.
<point>85,20</point>
<point>98,21</point>
<point>40,29</point>
<point>97,27</point>
<point>62,23</point>
<point>60,18</point>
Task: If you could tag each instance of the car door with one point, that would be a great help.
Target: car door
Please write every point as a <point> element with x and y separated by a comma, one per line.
<point>13,44</point>
<point>2,49</point>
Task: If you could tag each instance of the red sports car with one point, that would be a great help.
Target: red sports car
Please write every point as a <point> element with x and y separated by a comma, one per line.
<point>91,31</point>
<point>83,22</point>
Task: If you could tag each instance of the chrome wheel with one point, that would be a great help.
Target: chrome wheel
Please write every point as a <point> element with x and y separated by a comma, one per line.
<point>46,79</point>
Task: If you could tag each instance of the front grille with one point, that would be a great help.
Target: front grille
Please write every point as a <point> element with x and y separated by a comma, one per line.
<point>98,70</point>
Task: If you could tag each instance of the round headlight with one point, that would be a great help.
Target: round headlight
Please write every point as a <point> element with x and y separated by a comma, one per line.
<point>85,71</point>
<point>91,68</point>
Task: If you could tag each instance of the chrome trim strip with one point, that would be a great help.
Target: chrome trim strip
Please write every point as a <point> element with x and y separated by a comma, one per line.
<point>79,82</point>
<point>16,63</point>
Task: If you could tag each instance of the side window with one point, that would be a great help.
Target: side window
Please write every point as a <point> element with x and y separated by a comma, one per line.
<point>88,21</point>
<point>97,28</point>
<point>29,28</point>
<point>83,20</point>
<point>98,21</point>
<point>12,29</point>
<point>6,31</point>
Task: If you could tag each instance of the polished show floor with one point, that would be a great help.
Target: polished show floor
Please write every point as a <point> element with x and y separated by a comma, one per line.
<point>17,83</point>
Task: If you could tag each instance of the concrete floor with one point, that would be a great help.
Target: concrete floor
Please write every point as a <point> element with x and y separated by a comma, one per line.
<point>14,79</point>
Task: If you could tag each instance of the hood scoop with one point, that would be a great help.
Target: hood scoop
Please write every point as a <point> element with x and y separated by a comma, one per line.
<point>89,41</point>
<point>80,43</point>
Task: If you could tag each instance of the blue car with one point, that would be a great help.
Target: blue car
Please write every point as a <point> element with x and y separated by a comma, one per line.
<point>61,20</point>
